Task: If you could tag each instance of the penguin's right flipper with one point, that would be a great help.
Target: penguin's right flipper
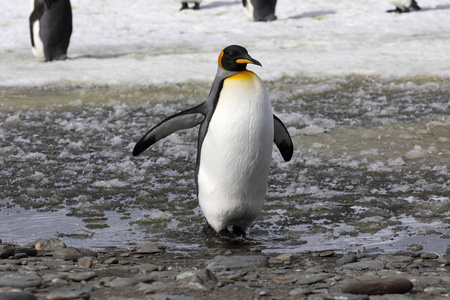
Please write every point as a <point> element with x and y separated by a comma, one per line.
<point>183,120</point>
<point>35,16</point>
<point>282,139</point>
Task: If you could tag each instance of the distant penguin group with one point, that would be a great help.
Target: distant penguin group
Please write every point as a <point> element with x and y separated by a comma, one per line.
<point>50,28</point>
<point>237,129</point>
<point>402,6</point>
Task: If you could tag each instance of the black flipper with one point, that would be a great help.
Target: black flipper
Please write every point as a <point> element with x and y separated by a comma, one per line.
<point>282,139</point>
<point>415,5</point>
<point>35,16</point>
<point>183,120</point>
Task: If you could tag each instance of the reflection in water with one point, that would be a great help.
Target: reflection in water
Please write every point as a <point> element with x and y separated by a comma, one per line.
<point>370,168</point>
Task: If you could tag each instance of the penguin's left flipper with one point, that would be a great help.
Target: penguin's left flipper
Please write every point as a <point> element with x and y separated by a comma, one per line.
<point>282,139</point>
<point>183,120</point>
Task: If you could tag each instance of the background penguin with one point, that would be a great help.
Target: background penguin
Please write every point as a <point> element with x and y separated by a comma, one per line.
<point>234,145</point>
<point>184,4</point>
<point>402,6</point>
<point>260,10</point>
<point>50,28</point>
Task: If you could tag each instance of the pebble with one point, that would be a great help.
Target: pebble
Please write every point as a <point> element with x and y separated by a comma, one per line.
<point>310,279</point>
<point>67,254</point>
<point>430,255</point>
<point>363,265</point>
<point>232,262</point>
<point>49,244</point>
<point>285,257</point>
<point>17,296</point>
<point>15,280</point>
<point>204,279</point>
<point>152,248</point>
<point>67,295</point>
<point>346,259</point>
<point>147,268</point>
<point>86,261</point>
<point>327,253</point>
<point>82,276</point>
<point>300,292</point>
<point>111,261</point>
<point>122,282</point>
<point>379,286</point>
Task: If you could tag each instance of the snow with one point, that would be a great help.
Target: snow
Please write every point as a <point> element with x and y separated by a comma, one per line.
<point>123,44</point>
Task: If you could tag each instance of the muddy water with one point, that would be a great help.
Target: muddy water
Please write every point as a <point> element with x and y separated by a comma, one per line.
<point>370,170</point>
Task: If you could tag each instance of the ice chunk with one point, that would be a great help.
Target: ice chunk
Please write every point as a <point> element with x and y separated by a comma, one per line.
<point>312,130</point>
<point>13,120</point>
<point>396,161</point>
<point>416,153</point>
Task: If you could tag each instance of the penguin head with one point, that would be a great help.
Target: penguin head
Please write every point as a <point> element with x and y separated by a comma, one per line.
<point>235,58</point>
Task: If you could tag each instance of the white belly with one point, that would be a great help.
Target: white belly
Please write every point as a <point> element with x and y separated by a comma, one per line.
<point>236,154</point>
<point>248,10</point>
<point>38,49</point>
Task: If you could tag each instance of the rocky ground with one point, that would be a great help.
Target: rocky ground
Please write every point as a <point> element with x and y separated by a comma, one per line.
<point>48,269</point>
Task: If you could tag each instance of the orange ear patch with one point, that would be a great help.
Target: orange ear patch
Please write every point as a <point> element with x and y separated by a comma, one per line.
<point>220,59</point>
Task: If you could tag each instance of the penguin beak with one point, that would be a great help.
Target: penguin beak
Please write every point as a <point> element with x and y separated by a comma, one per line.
<point>248,60</point>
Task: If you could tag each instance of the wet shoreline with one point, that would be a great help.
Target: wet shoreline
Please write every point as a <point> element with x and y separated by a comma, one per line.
<point>48,269</point>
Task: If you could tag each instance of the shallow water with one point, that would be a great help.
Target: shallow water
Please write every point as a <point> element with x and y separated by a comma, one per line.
<point>370,170</point>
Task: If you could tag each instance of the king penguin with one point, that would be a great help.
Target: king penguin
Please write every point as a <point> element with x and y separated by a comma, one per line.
<point>237,131</point>
<point>402,6</point>
<point>50,28</point>
<point>260,10</point>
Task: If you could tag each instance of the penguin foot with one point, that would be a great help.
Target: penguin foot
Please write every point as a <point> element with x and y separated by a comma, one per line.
<point>236,236</point>
<point>238,232</point>
<point>196,6</point>
<point>184,5</point>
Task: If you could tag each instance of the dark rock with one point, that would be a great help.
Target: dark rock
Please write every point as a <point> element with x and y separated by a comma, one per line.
<point>379,286</point>
<point>5,253</point>
<point>17,252</point>
<point>17,296</point>
<point>15,280</point>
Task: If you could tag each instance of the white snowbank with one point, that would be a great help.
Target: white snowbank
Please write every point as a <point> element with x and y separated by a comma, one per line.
<point>122,43</point>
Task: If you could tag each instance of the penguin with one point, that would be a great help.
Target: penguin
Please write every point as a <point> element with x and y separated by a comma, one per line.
<point>234,148</point>
<point>260,10</point>
<point>184,4</point>
<point>402,6</point>
<point>50,28</point>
